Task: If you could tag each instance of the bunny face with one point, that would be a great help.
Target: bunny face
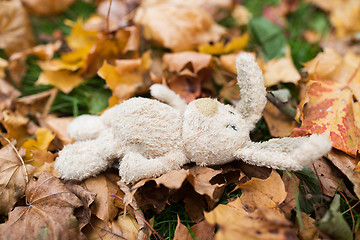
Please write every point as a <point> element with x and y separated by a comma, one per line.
<point>212,132</point>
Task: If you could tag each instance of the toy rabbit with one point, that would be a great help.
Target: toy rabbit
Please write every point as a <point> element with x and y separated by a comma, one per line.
<point>151,137</point>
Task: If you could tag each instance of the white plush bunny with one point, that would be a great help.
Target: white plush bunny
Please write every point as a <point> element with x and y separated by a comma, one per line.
<point>150,138</point>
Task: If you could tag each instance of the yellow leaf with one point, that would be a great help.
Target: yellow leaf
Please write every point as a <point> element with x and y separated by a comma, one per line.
<point>43,139</point>
<point>236,44</point>
<point>280,70</point>
<point>80,37</point>
<point>64,80</point>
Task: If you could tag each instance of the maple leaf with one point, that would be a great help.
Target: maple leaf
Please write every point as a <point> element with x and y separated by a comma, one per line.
<point>46,7</point>
<point>177,25</point>
<point>327,109</point>
<point>12,178</point>
<point>255,215</point>
<point>125,77</point>
<point>48,214</point>
<point>15,28</point>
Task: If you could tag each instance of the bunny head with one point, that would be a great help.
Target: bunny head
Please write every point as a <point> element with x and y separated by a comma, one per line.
<point>212,132</point>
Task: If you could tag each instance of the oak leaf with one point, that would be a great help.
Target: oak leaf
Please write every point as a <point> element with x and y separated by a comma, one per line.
<point>327,108</point>
<point>15,28</point>
<point>12,178</point>
<point>48,214</point>
<point>176,25</point>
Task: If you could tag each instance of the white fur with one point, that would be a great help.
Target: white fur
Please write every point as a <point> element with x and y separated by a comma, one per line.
<point>151,138</point>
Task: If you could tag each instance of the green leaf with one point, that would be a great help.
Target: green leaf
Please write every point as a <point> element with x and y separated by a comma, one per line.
<point>309,189</point>
<point>98,101</point>
<point>269,36</point>
<point>333,223</point>
<point>256,7</point>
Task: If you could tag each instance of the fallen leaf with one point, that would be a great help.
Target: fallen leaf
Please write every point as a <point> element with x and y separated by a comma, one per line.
<point>3,65</point>
<point>125,77</point>
<point>15,28</point>
<point>218,48</point>
<point>103,185</point>
<point>48,214</point>
<point>82,214</point>
<point>333,223</point>
<point>181,232</point>
<point>177,62</point>
<point>310,232</point>
<point>330,178</point>
<point>15,125</point>
<point>175,25</point>
<point>59,127</point>
<point>327,109</point>
<point>125,227</point>
<point>280,70</point>
<point>252,225</point>
<point>46,7</point>
<point>346,164</point>
<point>201,231</point>
<point>43,161</point>
<point>241,15</point>
<point>291,184</point>
<point>257,192</point>
<point>43,139</point>
<point>13,179</point>
<point>64,80</point>
<point>8,95</point>
<point>279,124</point>
<point>36,103</point>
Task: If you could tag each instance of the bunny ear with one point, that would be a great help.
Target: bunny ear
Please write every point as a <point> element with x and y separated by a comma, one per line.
<point>252,90</point>
<point>285,153</point>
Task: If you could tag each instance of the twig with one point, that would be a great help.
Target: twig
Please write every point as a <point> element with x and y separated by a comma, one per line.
<point>351,212</point>
<point>20,158</point>
<point>284,108</point>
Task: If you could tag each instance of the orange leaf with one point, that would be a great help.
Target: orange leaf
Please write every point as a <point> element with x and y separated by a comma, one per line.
<point>329,110</point>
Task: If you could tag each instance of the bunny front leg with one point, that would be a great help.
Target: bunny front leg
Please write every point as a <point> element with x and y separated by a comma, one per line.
<point>134,166</point>
<point>85,127</point>
<point>285,153</point>
<point>164,94</point>
<point>84,159</point>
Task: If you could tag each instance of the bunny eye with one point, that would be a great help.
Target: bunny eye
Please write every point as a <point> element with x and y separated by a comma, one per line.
<point>231,112</point>
<point>233,127</point>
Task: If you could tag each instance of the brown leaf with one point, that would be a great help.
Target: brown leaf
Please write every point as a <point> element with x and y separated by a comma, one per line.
<point>103,185</point>
<point>8,95</point>
<point>181,232</point>
<point>15,28</point>
<point>82,214</point>
<point>177,26</point>
<point>347,165</point>
<point>331,179</point>
<point>279,124</point>
<point>12,179</point>
<point>234,221</point>
<point>291,184</point>
<point>44,162</point>
<point>59,126</point>
<point>268,193</point>
<point>125,227</point>
<point>176,62</point>
<point>49,212</point>
<point>310,231</point>
<point>15,125</point>
<point>46,7</point>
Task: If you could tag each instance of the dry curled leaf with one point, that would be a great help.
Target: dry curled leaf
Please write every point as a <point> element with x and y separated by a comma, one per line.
<point>12,179</point>
<point>8,95</point>
<point>15,27</point>
<point>48,214</point>
<point>201,231</point>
